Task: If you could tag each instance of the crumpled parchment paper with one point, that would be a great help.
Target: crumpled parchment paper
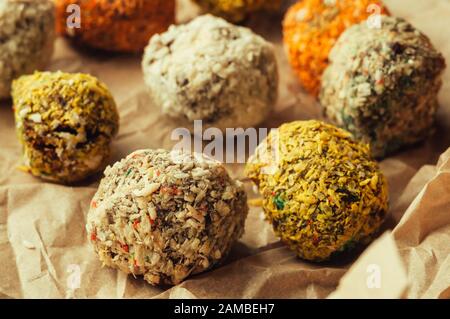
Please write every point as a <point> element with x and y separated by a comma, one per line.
<point>44,250</point>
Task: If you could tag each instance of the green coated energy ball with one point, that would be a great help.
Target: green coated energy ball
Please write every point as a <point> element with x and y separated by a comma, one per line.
<point>321,189</point>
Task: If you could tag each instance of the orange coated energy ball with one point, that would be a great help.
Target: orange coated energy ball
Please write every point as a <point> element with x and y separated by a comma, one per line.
<point>114,25</point>
<point>311,28</point>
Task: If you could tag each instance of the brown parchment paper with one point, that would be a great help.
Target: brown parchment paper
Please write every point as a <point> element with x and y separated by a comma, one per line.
<point>43,242</point>
<point>378,273</point>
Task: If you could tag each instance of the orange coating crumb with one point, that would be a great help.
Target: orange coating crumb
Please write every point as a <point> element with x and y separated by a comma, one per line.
<point>312,27</point>
<point>116,25</point>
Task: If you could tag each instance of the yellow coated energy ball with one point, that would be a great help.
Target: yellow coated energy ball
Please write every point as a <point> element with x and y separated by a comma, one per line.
<point>322,191</point>
<point>237,10</point>
<point>65,123</point>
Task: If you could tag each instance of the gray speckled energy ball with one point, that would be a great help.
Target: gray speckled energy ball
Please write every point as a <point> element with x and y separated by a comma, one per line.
<point>382,84</point>
<point>27,36</point>
<point>213,71</point>
<point>166,215</point>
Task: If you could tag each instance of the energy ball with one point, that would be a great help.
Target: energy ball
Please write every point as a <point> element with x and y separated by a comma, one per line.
<point>238,10</point>
<point>382,85</point>
<point>311,28</point>
<point>166,215</point>
<point>65,123</point>
<point>322,191</point>
<point>26,39</point>
<point>115,25</point>
<point>213,71</point>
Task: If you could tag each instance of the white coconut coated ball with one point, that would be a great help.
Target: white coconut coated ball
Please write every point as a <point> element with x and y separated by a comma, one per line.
<point>213,71</point>
<point>166,215</point>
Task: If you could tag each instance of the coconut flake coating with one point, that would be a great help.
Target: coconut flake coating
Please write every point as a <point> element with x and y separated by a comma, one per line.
<point>65,123</point>
<point>166,215</point>
<point>27,38</point>
<point>322,192</point>
<point>115,25</point>
<point>382,84</point>
<point>237,10</point>
<point>213,71</point>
